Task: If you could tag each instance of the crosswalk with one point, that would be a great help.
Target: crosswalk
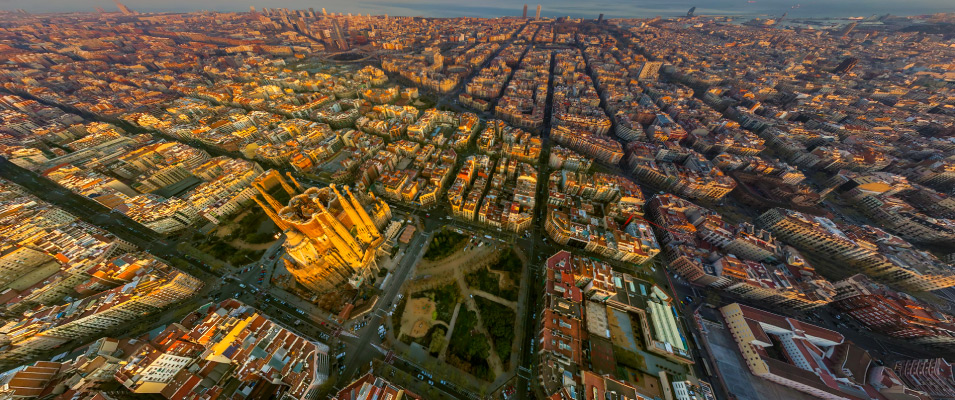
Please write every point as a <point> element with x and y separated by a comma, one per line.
<point>524,372</point>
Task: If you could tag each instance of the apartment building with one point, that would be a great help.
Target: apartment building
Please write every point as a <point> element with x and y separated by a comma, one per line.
<point>825,241</point>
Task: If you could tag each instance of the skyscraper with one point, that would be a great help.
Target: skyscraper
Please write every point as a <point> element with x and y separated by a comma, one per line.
<point>525,12</point>
<point>301,26</point>
<point>848,29</point>
<point>123,9</point>
<point>846,65</point>
<point>538,16</point>
<point>339,37</point>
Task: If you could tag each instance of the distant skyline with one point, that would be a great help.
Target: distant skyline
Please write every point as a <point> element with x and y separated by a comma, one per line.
<point>497,8</point>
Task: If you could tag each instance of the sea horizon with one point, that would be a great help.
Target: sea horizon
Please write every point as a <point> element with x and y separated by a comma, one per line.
<point>550,8</point>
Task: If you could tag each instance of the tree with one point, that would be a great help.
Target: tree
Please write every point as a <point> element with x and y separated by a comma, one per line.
<point>437,340</point>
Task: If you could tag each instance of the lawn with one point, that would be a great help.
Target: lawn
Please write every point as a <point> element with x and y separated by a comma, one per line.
<point>444,244</point>
<point>499,321</point>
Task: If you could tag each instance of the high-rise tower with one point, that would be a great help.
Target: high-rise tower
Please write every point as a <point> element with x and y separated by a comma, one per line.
<point>525,12</point>
<point>846,65</point>
<point>123,9</point>
<point>848,29</point>
<point>538,16</point>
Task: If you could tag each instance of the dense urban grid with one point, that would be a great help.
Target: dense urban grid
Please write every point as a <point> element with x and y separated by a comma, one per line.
<point>297,204</point>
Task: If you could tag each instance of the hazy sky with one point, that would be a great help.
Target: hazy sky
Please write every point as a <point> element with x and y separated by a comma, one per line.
<point>495,8</point>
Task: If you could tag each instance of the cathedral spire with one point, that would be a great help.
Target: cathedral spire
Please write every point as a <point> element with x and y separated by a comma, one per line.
<point>271,213</point>
<point>363,233</point>
<point>365,218</point>
<point>276,206</point>
<point>295,182</point>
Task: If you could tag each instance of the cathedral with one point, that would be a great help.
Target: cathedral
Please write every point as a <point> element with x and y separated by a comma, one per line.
<point>331,240</point>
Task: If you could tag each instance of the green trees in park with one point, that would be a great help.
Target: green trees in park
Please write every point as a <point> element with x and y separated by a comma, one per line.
<point>499,321</point>
<point>510,265</point>
<point>247,228</point>
<point>509,262</point>
<point>444,244</point>
<point>469,349</point>
<point>437,341</point>
<point>488,281</point>
<point>396,316</point>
